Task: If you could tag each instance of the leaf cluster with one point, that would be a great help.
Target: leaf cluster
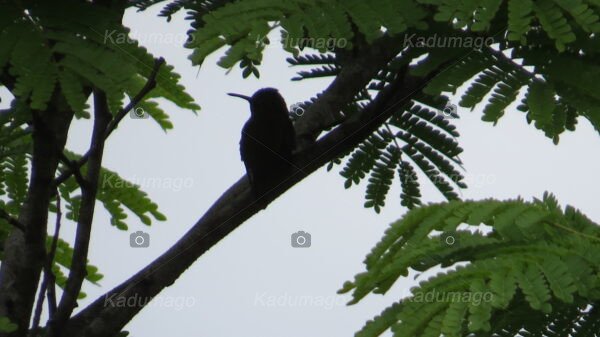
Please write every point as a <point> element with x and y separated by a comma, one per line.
<point>511,266</point>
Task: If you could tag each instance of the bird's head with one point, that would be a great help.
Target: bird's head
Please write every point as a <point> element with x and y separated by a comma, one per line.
<point>264,102</point>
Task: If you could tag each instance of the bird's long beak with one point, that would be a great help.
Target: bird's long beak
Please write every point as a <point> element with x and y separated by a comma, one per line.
<point>247,98</point>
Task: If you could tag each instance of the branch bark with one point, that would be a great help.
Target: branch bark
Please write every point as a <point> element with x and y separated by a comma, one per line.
<point>24,252</point>
<point>4,215</point>
<point>357,71</point>
<point>105,318</point>
<point>89,188</point>
<point>47,286</point>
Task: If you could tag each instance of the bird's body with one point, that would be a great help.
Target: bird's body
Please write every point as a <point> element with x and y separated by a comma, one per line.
<point>268,140</point>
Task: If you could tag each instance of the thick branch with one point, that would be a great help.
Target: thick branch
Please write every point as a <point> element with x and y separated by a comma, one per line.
<point>356,73</point>
<point>68,301</point>
<point>104,318</point>
<point>24,252</point>
<point>150,84</point>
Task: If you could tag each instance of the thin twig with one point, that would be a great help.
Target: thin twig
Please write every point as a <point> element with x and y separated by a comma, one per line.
<point>387,126</point>
<point>47,286</point>
<point>75,169</point>
<point>150,84</point>
<point>573,231</point>
<point>53,246</point>
<point>38,307</point>
<point>11,220</point>
<point>51,294</point>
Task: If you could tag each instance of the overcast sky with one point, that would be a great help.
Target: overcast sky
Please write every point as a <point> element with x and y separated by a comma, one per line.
<point>247,285</point>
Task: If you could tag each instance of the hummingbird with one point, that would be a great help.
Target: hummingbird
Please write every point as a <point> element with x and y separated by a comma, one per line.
<point>268,140</point>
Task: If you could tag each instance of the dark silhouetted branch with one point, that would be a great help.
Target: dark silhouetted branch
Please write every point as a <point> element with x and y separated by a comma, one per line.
<point>48,283</point>
<point>150,84</point>
<point>105,318</point>
<point>78,270</point>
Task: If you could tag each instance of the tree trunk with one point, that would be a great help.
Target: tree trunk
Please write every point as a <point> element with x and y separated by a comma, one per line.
<point>24,252</point>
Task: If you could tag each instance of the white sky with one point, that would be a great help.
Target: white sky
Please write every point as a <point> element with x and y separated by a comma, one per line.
<point>227,290</point>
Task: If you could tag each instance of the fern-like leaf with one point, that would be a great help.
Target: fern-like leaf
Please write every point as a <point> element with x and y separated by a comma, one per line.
<point>532,274</point>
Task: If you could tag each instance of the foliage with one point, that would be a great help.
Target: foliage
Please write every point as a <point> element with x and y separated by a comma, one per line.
<point>15,146</point>
<point>116,194</point>
<point>55,53</point>
<point>62,261</point>
<point>538,261</point>
<point>6,325</point>
<point>418,134</point>
<point>534,269</point>
<point>532,28</point>
<point>73,46</point>
<point>547,58</point>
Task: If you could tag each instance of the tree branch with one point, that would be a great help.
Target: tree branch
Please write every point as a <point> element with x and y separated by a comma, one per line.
<point>356,73</point>
<point>77,273</point>
<point>104,318</point>
<point>47,287</point>
<point>24,252</point>
<point>4,215</point>
<point>150,84</point>
<point>52,254</point>
<point>75,169</point>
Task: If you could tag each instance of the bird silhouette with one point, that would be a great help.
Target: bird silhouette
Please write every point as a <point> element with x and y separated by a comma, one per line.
<point>268,140</point>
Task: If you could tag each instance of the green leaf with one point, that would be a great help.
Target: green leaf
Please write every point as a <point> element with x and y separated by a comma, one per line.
<point>6,325</point>
<point>521,273</point>
<point>540,100</point>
